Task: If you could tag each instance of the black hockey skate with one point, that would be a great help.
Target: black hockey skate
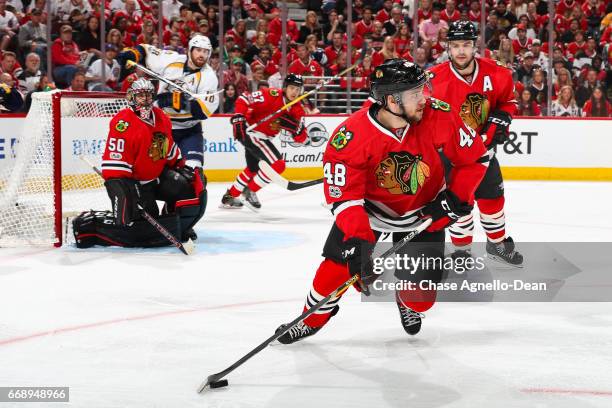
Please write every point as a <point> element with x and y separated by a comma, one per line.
<point>298,332</point>
<point>251,200</point>
<point>505,252</point>
<point>301,330</point>
<point>230,203</point>
<point>411,320</point>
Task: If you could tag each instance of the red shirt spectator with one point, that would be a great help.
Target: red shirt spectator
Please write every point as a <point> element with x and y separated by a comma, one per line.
<point>335,48</point>
<point>304,65</point>
<point>238,33</point>
<point>522,42</point>
<point>65,52</point>
<point>450,13</point>
<point>385,13</point>
<point>366,25</point>
<point>565,5</point>
<point>275,30</point>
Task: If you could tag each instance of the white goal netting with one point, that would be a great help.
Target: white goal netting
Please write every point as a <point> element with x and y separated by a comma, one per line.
<point>28,210</point>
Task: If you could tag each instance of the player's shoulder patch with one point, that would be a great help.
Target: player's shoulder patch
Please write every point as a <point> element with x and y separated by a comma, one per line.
<point>122,125</point>
<point>274,92</point>
<point>341,138</point>
<point>440,105</point>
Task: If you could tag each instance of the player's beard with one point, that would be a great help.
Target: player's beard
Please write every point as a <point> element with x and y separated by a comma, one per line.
<point>463,66</point>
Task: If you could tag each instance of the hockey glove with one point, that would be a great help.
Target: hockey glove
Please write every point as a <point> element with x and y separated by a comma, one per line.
<point>357,253</point>
<point>187,172</point>
<point>125,197</point>
<point>497,127</point>
<point>239,126</point>
<point>445,210</point>
<point>289,123</point>
<point>175,99</point>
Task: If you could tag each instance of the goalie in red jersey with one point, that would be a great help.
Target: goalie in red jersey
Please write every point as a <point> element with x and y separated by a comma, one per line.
<point>142,164</point>
<point>483,90</point>
<point>250,108</point>
<point>383,174</point>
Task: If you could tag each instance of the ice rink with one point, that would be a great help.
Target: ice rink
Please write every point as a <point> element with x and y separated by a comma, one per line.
<point>143,328</point>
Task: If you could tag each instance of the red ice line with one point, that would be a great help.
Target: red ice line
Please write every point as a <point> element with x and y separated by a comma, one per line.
<point>136,318</point>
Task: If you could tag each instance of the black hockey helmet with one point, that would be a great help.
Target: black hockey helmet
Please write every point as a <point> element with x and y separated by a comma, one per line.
<point>395,76</point>
<point>462,30</point>
<point>293,79</point>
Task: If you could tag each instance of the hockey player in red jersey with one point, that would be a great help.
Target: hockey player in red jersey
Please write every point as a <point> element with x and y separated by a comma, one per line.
<point>383,173</point>
<point>250,108</point>
<point>142,164</point>
<point>483,90</point>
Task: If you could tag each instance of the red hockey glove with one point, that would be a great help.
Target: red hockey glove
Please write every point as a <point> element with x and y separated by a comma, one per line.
<point>445,210</point>
<point>497,127</point>
<point>357,253</point>
<point>300,137</point>
<point>239,126</point>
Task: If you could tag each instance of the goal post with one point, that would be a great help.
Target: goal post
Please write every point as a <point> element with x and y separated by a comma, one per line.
<point>45,181</point>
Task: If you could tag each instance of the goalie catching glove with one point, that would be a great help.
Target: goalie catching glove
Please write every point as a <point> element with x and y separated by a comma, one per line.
<point>497,127</point>
<point>445,210</point>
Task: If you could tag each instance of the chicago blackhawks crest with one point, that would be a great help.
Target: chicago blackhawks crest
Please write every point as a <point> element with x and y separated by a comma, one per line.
<point>342,138</point>
<point>402,173</point>
<point>475,110</point>
<point>159,146</point>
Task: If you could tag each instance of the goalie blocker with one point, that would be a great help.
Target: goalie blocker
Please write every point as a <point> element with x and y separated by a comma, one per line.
<point>185,206</point>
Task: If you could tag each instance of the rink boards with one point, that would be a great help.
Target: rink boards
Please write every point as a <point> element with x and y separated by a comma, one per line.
<point>538,149</point>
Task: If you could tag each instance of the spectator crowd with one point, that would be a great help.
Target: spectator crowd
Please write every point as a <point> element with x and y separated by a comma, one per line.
<point>249,55</point>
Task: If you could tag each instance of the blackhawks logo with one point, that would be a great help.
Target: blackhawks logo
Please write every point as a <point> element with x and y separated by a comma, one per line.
<point>440,105</point>
<point>402,173</point>
<point>341,139</point>
<point>159,146</point>
<point>121,126</point>
<point>474,110</point>
<point>273,92</point>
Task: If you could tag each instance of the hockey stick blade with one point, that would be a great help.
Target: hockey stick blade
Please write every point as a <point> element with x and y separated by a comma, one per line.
<point>187,248</point>
<point>340,290</point>
<point>283,182</point>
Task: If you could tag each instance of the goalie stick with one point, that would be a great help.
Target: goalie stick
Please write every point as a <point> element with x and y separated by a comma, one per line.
<point>216,380</point>
<point>362,54</point>
<point>283,182</point>
<point>187,248</point>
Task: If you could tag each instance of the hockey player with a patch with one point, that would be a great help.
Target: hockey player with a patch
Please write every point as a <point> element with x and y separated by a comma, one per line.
<point>483,91</point>
<point>383,174</point>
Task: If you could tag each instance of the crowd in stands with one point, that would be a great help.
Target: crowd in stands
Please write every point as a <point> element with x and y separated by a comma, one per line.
<point>249,56</point>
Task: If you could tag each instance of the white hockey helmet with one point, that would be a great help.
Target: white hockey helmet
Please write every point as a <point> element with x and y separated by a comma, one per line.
<point>199,41</point>
<point>141,106</point>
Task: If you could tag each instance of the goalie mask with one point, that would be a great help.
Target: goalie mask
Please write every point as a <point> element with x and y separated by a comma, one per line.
<point>201,58</point>
<point>140,98</point>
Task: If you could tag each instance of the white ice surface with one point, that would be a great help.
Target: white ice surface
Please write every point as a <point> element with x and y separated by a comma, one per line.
<point>143,328</point>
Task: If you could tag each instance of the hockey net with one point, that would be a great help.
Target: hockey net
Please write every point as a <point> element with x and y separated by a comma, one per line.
<point>44,182</point>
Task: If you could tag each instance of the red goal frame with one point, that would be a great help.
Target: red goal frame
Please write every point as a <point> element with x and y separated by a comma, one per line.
<point>57,148</point>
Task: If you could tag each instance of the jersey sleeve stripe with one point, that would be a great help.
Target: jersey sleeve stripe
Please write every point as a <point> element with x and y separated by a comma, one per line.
<point>116,168</point>
<point>116,163</point>
<point>337,209</point>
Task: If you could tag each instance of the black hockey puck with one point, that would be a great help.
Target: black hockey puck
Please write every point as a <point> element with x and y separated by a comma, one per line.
<point>219,384</point>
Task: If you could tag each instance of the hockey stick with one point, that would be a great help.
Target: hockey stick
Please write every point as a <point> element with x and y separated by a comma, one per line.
<point>283,182</point>
<point>314,90</point>
<point>187,248</point>
<point>200,97</point>
<point>215,380</point>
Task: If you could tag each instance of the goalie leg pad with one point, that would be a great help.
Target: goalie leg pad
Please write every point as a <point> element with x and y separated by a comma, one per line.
<point>124,195</point>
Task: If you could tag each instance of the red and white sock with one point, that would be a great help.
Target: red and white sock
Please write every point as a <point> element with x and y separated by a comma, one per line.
<point>242,181</point>
<point>492,218</point>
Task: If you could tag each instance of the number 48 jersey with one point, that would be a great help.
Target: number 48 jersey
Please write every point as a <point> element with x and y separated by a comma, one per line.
<point>391,175</point>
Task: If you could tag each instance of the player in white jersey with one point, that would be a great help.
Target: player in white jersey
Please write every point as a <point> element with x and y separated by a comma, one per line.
<point>192,72</point>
